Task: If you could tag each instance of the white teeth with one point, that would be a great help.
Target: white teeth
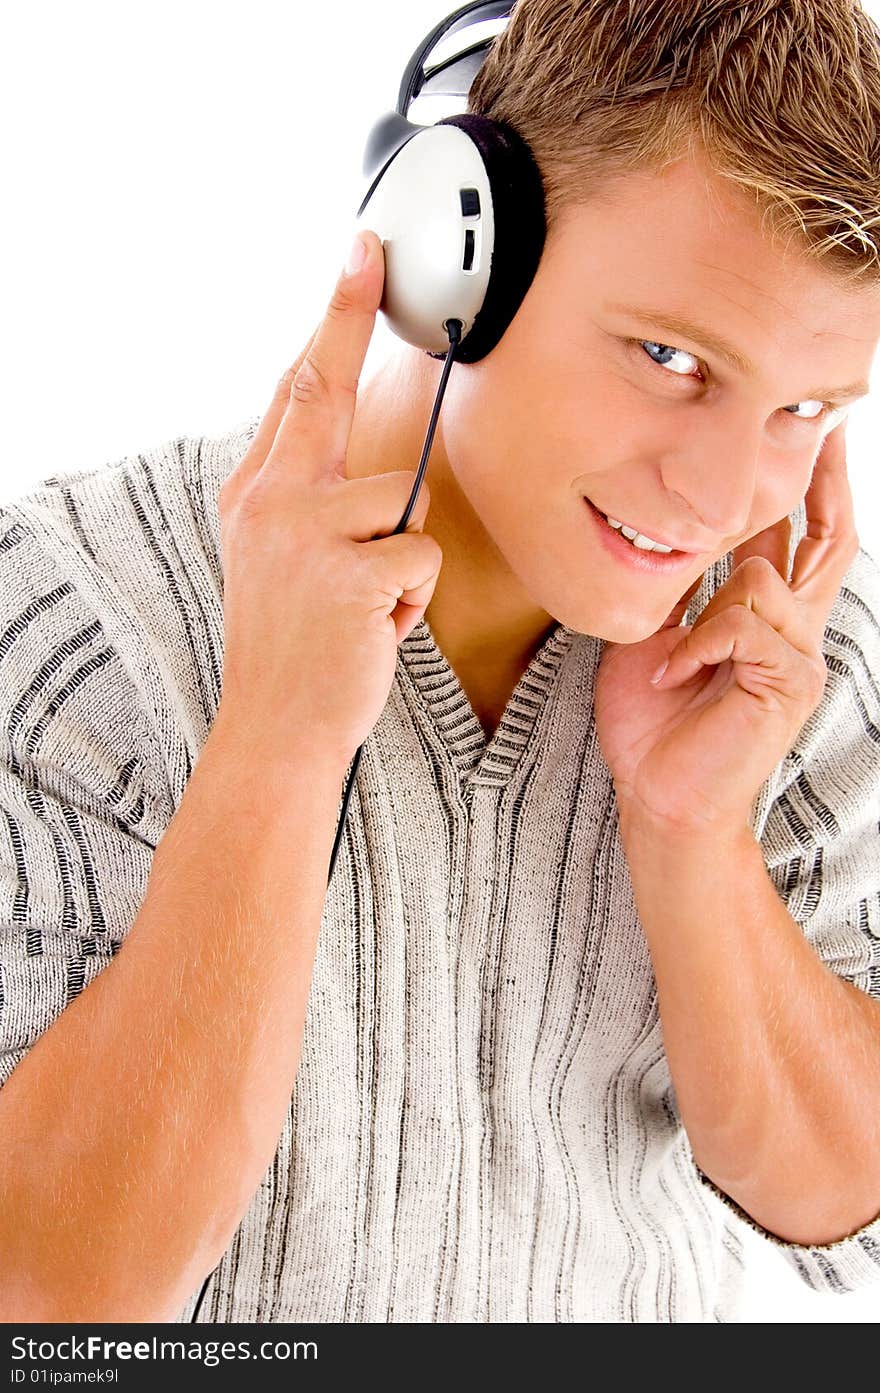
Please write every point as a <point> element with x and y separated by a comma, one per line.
<point>638,539</point>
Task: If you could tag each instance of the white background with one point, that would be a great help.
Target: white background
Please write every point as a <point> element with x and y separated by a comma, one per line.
<point>180,184</point>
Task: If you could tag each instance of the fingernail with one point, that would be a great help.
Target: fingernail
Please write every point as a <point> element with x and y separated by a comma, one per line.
<point>356,257</point>
<point>660,671</point>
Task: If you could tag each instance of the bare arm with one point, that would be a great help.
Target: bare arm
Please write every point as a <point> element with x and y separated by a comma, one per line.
<point>775,1059</point>
<point>138,1127</point>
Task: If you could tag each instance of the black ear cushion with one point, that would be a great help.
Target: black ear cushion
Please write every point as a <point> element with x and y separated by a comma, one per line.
<point>520,228</point>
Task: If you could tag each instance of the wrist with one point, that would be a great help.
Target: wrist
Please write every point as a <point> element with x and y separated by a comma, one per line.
<point>646,835</point>
<point>681,876</point>
<point>246,744</point>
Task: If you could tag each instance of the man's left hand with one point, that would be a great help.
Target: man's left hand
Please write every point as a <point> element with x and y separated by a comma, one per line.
<point>691,753</point>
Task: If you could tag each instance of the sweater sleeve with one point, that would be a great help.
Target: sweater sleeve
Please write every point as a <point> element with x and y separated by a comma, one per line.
<point>79,820</point>
<point>111,654</point>
<point>821,844</point>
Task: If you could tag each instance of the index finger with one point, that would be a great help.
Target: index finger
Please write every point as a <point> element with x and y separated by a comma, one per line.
<point>831,542</point>
<point>315,427</point>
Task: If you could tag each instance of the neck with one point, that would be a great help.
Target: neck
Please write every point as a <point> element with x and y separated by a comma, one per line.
<point>481,618</point>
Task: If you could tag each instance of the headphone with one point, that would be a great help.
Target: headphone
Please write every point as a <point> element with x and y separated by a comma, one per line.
<point>459,207</point>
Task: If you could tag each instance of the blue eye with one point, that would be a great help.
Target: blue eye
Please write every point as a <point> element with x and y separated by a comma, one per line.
<point>665,348</point>
<point>821,405</point>
<point>825,408</point>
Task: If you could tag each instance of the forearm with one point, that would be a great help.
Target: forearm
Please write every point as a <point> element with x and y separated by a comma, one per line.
<point>137,1128</point>
<point>775,1059</point>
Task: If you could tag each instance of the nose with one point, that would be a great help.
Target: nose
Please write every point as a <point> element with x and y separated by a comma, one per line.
<point>713,472</point>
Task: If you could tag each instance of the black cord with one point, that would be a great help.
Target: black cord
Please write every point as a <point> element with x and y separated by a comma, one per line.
<point>453,329</point>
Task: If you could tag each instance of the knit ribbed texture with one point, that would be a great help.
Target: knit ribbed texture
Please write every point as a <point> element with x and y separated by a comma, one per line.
<point>483,1125</point>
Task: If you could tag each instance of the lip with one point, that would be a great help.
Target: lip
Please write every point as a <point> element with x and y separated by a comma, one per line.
<point>664,541</point>
<point>660,562</point>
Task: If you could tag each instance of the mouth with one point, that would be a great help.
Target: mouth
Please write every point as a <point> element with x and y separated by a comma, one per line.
<point>639,558</point>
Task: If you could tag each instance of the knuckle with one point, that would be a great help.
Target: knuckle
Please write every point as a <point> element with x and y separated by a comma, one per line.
<point>254,498</point>
<point>434,548</point>
<point>740,617</point>
<point>342,301</point>
<point>309,382</point>
<point>819,670</point>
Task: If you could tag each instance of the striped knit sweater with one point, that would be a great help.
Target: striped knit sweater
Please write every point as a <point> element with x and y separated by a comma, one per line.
<point>483,1126</point>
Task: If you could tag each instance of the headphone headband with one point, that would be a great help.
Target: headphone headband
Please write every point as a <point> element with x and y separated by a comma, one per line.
<point>453,76</point>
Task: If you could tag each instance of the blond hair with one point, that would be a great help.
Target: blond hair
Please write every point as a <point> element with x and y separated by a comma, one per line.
<point>781,96</point>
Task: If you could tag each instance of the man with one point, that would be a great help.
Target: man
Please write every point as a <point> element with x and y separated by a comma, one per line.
<point>598,964</point>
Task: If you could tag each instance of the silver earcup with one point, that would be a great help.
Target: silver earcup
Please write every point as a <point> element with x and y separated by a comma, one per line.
<point>438,255</point>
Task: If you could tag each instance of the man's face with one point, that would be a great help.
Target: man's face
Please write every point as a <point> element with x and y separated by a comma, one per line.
<point>582,398</point>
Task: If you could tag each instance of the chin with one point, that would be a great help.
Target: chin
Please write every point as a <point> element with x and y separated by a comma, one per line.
<point>615,625</point>
<point>627,633</point>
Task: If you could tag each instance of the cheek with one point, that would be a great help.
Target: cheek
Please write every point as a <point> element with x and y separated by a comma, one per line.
<point>776,496</point>
<point>793,483</point>
<point>501,433</point>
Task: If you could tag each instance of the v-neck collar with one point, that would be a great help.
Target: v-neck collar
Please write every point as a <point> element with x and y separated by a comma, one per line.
<point>478,759</point>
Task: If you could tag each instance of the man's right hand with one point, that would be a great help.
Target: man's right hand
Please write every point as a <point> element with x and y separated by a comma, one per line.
<point>317,592</point>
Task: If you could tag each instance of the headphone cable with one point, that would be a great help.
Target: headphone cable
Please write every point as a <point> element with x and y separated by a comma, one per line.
<point>453,328</point>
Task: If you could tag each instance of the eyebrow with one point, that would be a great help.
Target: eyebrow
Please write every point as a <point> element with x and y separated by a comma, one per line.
<point>675,323</point>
